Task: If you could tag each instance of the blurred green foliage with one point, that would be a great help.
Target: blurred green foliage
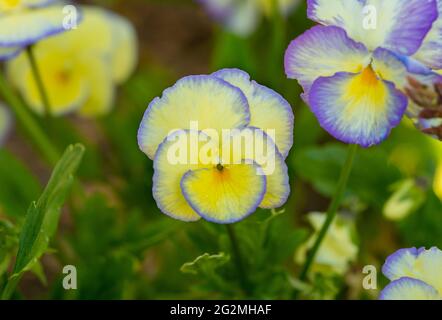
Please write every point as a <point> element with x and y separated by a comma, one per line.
<point>124,248</point>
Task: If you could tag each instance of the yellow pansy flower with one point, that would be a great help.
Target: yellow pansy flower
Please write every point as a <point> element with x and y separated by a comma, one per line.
<point>218,143</point>
<point>79,72</point>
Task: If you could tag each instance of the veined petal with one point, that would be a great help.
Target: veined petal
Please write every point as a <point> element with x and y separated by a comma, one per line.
<point>174,158</point>
<point>322,52</point>
<point>389,67</point>
<point>27,27</point>
<point>409,289</point>
<point>268,109</point>
<point>398,25</point>
<point>9,52</point>
<point>258,147</point>
<point>430,53</point>
<point>209,102</point>
<point>224,196</point>
<point>357,108</point>
<point>401,264</point>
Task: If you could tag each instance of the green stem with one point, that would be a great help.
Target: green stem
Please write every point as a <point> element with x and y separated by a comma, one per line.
<point>28,123</point>
<point>39,81</point>
<point>238,258</point>
<point>332,210</point>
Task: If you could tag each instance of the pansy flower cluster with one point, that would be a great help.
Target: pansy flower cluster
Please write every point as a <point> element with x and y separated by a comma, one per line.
<point>354,67</point>
<point>191,118</point>
<point>414,274</point>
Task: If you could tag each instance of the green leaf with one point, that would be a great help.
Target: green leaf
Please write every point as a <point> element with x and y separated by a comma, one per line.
<point>42,217</point>
<point>205,264</point>
<point>320,166</point>
<point>23,186</point>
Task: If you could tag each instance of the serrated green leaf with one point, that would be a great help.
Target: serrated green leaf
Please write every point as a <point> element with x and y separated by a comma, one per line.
<point>205,263</point>
<point>42,217</point>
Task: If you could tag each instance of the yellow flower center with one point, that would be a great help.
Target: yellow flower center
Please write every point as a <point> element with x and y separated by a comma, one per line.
<point>10,5</point>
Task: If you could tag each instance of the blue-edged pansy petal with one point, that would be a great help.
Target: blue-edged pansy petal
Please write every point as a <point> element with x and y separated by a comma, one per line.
<point>357,108</point>
<point>389,67</point>
<point>421,264</point>
<point>174,158</point>
<point>37,3</point>
<point>30,26</point>
<point>409,289</point>
<point>401,264</point>
<point>225,195</point>
<point>255,145</point>
<point>268,109</point>
<point>322,52</point>
<point>398,25</point>
<point>209,102</point>
<point>9,52</point>
<point>430,53</point>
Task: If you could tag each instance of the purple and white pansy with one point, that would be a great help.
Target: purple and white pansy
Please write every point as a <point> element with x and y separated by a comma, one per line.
<point>354,67</point>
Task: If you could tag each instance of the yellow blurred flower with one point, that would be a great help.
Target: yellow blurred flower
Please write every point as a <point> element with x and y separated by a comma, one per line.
<point>80,68</point>
<point>337,250</point>
<point>24,22</point>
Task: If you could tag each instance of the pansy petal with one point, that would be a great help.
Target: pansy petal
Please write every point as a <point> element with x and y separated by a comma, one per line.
<point>389,67</point>
<point>101,88</point>
<point>409,289</point>
<point>254,144</point>
<point>9,52</point>
<point>404,23</point>
<point>125,48</point>
<point>322,52</point>
<point>225,196</point>
<point>357,108</point>
<point>429,265</point>
<point>268,109</point>
<point>30,26</point>
<point>430,53</point>
<point>67,90</point>
<point>400,264</point>
<point>37,3</point>
<point>210,102</point>
<point>169,170</point>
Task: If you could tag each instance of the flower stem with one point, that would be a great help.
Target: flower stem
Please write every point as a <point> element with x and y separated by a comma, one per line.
<point>39,81</point>
<point>332,210</point>
<point>28,123</point>
<point>238,258</point>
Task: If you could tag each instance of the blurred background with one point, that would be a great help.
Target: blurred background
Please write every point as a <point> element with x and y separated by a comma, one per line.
<point>125,248</point>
